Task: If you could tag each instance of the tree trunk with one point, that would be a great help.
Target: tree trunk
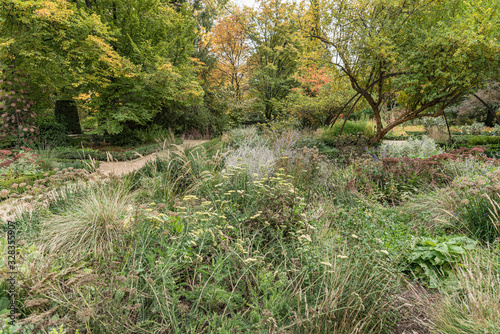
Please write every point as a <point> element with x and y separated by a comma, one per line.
<point>490,110</point>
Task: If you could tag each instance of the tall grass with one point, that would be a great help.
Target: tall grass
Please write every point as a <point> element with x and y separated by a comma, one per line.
<point>472,304</point>
<point>412,148</point>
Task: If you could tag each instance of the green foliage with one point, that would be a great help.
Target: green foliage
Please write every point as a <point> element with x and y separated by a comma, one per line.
<point>16,108</point>
<point>433,259</point>
<point>475,128</point>
<point>107,52</point>
<point>475,140</point>
<point>351,128</point>
<point>475,217</point>
<point>23,162</point>
<point>248,136</point>
<point>396,180</point>
<point>410,50</point>
<point>52,132</point>
<point>347,147</point>
<point>277,44</point>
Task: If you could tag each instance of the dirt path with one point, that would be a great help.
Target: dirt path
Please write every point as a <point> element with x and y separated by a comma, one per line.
<point>125,167</point>
<point>116,167</point>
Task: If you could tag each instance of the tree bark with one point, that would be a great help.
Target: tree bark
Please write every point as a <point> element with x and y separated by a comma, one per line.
<point>497,118</point>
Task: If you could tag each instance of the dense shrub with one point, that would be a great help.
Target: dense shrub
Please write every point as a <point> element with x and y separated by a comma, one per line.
<point>258,161</point>
<point>475,140</point>
<point>86,153</point>
<point>348,147</point>
<point>15,163</point>
<point>477,209</point>
<point>396,179</point>
<point>52,133</point>
<point>248,136</point>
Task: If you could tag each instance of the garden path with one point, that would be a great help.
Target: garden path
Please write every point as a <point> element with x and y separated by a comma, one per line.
<point>116,167</point>
<point>125,167</point>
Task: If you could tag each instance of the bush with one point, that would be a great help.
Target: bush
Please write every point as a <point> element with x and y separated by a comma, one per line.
<point>52,132</point>
<point>412,148</point>
<point>248,136</point>
<point>477,213</point>
<point>348,147</point>
<point>475,128</point>
<point>476,140</point>
<point>323,148</point>
<point>351,128</point>
<point>395,180</point>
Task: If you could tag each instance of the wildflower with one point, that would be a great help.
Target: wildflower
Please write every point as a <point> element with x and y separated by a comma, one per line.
<point>152,204</point>
<point>354,236</point>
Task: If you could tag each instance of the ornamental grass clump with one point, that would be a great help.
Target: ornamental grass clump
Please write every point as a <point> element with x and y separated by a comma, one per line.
<point>94,223</point>
<point>412,148</point>
<point>258,160</point>
<point>477,211</point>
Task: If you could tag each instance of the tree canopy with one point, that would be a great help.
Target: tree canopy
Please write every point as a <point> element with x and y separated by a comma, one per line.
<point>425,54</point>
<point>131,62</point>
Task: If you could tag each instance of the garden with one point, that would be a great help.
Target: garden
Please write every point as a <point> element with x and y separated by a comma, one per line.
<point>278,167</point>
<point>265,229</point>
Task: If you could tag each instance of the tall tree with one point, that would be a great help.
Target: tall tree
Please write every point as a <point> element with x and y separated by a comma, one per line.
<point>132,56</point>
<point>425,53</point>
<point>229,46</point>
<point>276,45</point>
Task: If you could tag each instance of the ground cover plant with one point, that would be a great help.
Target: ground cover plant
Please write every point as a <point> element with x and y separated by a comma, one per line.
<point>222,238</point>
